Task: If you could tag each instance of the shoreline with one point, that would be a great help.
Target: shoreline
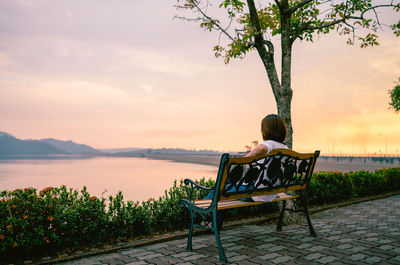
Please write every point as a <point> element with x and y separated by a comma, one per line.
<point>342,165</point>
<point>209,160</point>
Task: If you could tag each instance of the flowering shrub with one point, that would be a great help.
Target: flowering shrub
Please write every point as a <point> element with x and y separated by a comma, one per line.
<point>43,222</point>
<point>330,187</point>
<point>53,219</point>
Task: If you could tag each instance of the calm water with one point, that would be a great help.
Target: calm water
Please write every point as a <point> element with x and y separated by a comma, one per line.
<point>138,178</point>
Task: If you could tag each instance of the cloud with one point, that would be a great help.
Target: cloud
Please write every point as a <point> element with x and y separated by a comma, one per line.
<point>160,62</point>
<point>117,74</point>
<point>30,4</point>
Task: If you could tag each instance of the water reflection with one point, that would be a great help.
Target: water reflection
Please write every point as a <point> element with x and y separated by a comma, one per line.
<point>137,178</point>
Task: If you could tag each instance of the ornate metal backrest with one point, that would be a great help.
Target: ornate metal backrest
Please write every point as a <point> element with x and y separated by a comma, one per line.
<point>278,171</point>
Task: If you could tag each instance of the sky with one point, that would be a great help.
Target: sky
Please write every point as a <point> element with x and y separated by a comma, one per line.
<point>115,74</point>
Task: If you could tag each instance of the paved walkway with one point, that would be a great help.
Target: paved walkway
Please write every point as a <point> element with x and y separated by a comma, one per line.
<point>364,233</point>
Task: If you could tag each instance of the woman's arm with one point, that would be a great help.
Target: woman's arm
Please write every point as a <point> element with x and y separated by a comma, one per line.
<point>259,149</point>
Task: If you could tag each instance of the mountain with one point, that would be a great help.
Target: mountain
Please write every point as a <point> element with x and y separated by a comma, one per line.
<point>71,147</point>
<point>11,146</point>
<point>5,134</point>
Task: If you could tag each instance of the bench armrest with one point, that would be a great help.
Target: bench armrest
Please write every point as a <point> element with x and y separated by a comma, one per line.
<point>196,185</point>
<point>193,185</point>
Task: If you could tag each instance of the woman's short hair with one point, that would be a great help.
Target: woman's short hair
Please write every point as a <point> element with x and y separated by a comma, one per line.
<point>273,128</point>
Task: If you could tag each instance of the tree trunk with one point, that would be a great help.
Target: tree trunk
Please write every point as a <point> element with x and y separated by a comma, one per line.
<point>282,90</point>
<point>284,97</point>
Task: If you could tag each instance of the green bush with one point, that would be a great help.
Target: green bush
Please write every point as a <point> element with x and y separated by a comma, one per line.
<point>330,187</point>
<point>391,178</point>
<point>43,222</point>
<point>37,223</point>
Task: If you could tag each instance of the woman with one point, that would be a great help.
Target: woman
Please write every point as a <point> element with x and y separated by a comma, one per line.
<point>273,130</point>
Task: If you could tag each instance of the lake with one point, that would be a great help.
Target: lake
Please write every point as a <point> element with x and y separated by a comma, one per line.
<point>138,178</point>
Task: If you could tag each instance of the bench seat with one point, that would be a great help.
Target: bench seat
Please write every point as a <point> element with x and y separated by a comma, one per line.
<point>235,203</point>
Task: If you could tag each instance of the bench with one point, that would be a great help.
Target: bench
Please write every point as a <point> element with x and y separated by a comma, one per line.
<point>288,176</point>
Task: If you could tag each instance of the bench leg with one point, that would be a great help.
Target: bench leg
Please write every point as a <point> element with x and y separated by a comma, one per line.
<point>222,256</point>
<point>312,232</point>
<point>189,242</point>
<point>280,221</point>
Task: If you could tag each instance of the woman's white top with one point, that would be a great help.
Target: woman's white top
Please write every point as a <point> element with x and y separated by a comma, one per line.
<point>271,145</point>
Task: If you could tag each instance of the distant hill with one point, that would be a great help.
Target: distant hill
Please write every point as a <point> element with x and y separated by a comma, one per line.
<point>5,134</point>
<point>121,150</point>
<point>71,147</point>
<point>11,146</point>
<point>162,151</point>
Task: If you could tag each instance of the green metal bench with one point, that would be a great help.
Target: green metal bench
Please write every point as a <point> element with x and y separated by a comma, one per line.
<point>277,172</point>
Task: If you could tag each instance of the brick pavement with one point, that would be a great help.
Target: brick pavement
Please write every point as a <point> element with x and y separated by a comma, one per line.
<point>364,233</point>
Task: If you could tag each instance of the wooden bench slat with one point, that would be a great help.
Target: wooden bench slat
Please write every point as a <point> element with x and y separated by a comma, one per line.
<point>238,203</point>
<point>260,193</point>
<point>227,204</point>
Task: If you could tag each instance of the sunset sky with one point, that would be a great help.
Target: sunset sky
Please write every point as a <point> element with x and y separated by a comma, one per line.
<point>115,74</point>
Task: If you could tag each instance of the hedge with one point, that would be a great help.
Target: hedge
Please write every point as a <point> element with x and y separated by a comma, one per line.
<point>38,223</point>
<point>332,187</point>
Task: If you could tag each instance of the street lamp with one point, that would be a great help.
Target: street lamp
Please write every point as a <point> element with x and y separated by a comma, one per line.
<point>386,142</point>
<point>333,144</point>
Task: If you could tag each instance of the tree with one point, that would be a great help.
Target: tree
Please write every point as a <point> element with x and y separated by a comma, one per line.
<point>251,28</point>
<point>395,97</point>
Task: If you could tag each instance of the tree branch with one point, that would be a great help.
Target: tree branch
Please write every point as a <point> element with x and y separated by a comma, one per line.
<point>270,46</point>
<point>345,18</point>
<point>327,25</point>
<point>267,57</point>
<point>187,19</point>
<point>352,29</point>
<point>255,22</point>
<point>278,4</point>
<point>299,5</point>
<point>377,19</point>
<point>297,34</point>
<point>377,6</point>
<point>213,21</point>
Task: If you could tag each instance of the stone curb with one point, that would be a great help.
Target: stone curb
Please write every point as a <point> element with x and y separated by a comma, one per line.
<point>182,234</point>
